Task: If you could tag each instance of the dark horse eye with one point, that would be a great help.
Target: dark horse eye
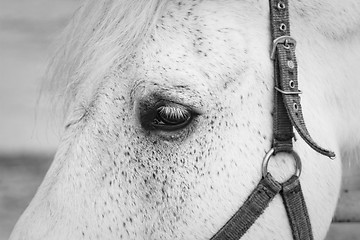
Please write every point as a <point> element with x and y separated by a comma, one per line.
<point>165,115</point>
<point>171,117</point>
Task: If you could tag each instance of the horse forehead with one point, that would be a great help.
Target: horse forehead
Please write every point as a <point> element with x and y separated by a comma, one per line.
<point>333,19</point>
<point>200,42</point>
<point>212,20</point>
<point>227,36</point>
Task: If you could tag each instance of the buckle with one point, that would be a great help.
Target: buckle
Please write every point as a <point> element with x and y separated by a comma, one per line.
<point>289,92</point>
<point>283,39</point>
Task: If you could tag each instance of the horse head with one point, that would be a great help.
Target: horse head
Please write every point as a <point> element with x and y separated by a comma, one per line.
<point>168,115</point>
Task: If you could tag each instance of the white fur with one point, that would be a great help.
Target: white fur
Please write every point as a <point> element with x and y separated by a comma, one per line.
<point>112,179</point>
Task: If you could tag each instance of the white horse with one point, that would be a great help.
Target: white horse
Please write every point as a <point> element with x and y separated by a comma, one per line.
<point>168,117</point>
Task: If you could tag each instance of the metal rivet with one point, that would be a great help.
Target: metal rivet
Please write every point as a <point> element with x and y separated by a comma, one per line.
<point>291,84</point>
<point>282,27</point>
<point>290,64</point>
<point>281,5</point>
<point>295,107</point>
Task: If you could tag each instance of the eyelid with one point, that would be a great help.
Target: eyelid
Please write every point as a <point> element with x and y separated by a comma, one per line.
<point>171,103</point>
<point>187,96</point>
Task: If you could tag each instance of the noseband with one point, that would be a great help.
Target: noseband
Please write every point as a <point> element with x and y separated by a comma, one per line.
<point>286,115</point>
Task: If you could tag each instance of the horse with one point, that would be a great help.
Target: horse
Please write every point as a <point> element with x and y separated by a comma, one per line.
<point>167,111</point>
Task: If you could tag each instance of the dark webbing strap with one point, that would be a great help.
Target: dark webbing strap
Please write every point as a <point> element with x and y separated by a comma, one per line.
<point>283,129</point>
<point>296,209</point>
<point>287,113</point>
<point>285,67</point>
<point>287,97</point>
<point>253,207</point>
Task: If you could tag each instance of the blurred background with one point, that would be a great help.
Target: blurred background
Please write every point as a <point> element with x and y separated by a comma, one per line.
<point>28,137</point>
<point>29,134</point>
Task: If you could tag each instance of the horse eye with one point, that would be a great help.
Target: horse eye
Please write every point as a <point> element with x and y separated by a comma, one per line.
<point>171,117</point>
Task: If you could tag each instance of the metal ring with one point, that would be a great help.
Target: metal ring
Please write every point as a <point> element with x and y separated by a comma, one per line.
<point>291,84</point>
<point>281,5</point>
<point>290,64</point>
<point>296,107</point>
<point>282,27</point>
<point>270,153</point>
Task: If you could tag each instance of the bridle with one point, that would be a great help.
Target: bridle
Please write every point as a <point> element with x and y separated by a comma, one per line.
<point>287,114</point>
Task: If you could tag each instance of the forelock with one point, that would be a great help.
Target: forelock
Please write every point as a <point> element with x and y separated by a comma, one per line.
<point>100,33</point>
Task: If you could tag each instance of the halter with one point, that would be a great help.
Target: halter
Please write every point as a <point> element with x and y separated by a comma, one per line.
<point>287,114</point>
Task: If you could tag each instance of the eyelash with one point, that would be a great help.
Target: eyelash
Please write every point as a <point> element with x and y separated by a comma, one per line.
<point>167,116</point>
<point>174,112</point>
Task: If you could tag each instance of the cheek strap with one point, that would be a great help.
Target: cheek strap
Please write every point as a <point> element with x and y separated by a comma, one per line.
<point>253,207</point>
<point>287,114</point>
<point>259,200</point>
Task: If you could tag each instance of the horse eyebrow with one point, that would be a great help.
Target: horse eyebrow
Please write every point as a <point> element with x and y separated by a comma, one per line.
<point>180,93</point>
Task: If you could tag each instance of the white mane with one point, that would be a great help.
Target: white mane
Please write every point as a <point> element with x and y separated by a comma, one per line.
<point>100,33</point>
